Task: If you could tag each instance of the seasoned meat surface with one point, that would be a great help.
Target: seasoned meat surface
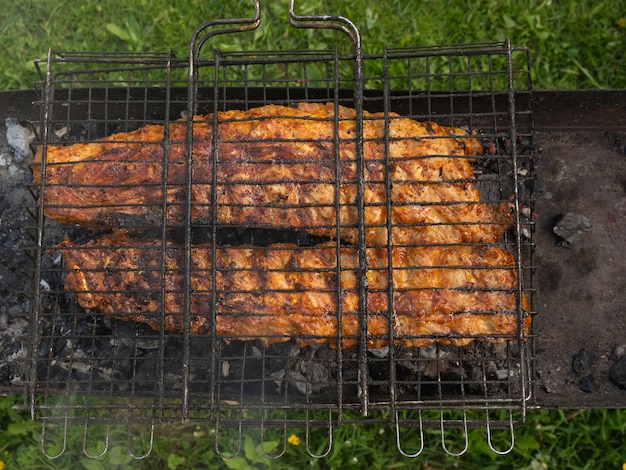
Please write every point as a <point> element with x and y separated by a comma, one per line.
<point>290,169</point>
<point>284,168</point>
<point>450,294</point>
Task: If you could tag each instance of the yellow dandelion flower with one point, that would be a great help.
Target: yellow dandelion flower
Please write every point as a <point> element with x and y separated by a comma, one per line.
<point>623,466</point>
<point>622,24</point>
<point>293,440</point>
<point>1,465</point>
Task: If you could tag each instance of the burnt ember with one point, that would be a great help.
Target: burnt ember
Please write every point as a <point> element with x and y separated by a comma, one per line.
<point>616,141</point>
<point>571,228</point>
<point>583,364</point>
<point>15,258</point>
<point>96,354</point>
<point>617,372</point>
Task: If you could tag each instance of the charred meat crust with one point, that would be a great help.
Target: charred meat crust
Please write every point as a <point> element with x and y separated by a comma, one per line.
<point>445,294</point>
<point>284,168</point>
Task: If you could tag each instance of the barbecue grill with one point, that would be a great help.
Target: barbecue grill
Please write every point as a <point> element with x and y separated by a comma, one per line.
<point>90,369</point>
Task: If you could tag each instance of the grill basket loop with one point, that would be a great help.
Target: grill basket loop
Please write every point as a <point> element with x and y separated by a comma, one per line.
<point>464,433</point>
<point>239,442</point>
<point>87,439</point>
<point>307,437</point>
<point>45,428</point>
<point>282,451</point>
<point>510,428</point>
<point>129,445</point>
<point>417,453</point>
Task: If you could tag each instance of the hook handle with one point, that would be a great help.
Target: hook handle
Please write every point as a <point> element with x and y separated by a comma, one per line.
<point>326,22</point>
<point>223,26</point>
<point>237,25</point>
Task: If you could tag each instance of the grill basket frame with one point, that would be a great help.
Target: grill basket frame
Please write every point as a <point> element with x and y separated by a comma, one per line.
<point>82,96</point>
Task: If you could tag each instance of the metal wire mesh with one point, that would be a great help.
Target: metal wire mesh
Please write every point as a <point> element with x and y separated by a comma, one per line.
<point>88,366</point>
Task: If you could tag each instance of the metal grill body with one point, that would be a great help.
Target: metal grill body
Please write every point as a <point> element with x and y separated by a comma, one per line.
<point>98,370</point>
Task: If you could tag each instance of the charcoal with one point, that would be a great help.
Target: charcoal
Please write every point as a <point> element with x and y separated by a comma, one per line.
<point>19,139</point>
<point>6,373</point>
<point>298,382</point>
<point>571,228</point>
<point>619,350</point>
<point>617,373</point>
<point>616,141</point>
<point>583,362</point>
<point>8,282</point>
<point>586,384</point>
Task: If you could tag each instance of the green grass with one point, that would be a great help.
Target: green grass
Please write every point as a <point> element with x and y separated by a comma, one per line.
<point>585,439</point>
<point>573,45</point>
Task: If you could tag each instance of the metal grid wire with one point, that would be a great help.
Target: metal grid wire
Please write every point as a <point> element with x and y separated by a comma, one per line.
<point>95,369</point>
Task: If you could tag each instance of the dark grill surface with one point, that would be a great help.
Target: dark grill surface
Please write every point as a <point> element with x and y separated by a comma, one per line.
<point>86,367</point>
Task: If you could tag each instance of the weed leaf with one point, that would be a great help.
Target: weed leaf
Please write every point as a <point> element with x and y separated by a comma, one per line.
<point>91,464</point>
<point>24,427</point>
<point>173,461</point>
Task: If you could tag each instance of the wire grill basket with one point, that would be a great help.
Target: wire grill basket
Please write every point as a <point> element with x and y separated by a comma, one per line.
<point>170,247</point>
